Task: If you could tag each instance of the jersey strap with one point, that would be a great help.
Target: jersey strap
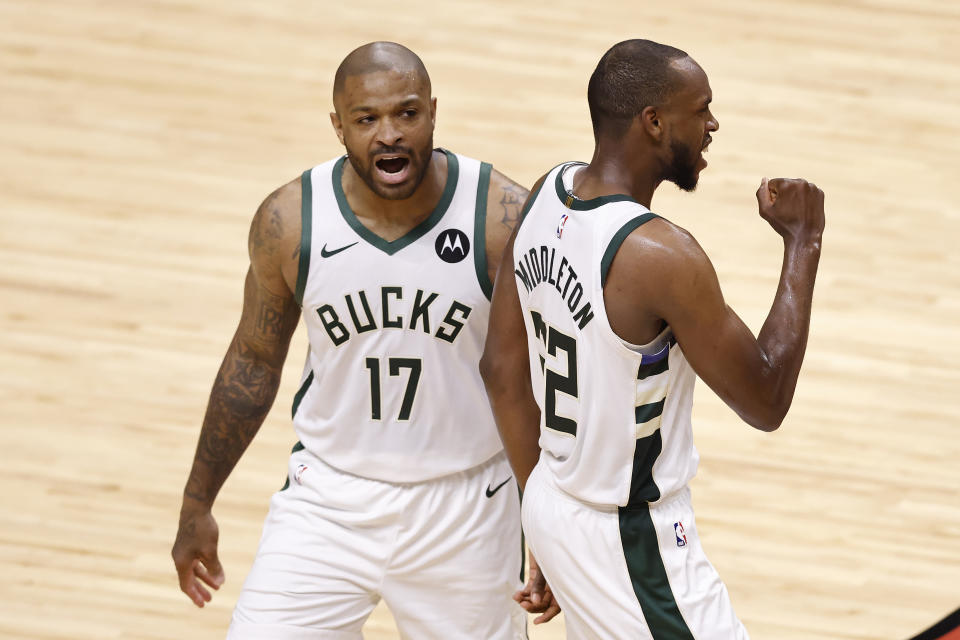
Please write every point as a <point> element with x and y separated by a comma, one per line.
<point>618,239</point>
<point>306,229</point>
<point>480,231</point>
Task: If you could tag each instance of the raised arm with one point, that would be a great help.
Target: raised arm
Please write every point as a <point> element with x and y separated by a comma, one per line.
<point>664,274</point>
<point>244,388</point>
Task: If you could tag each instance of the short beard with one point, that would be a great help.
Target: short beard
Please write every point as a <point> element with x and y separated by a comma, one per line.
<point>416,161</point>
<point>682,170</point>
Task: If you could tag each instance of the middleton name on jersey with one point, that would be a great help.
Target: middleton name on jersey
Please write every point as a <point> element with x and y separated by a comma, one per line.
<point>394,314</point>
<point>537,267</point>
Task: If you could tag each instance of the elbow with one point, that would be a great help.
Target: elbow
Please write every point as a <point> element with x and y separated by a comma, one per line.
<point>488,369</point>
<point>766,425</point>
<point>769,417</point>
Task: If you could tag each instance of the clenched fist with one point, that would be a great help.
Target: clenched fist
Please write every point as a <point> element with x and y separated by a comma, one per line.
<point>793,207</point>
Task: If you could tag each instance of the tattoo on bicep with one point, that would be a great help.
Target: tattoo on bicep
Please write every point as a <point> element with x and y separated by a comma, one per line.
<point>267,229</point>
<point>269,318</point>
<point>275,318</point>
<point>511,199</point>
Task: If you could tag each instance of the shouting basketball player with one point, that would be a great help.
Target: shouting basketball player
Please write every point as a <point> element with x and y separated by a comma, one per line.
<point>398,488</point>
<point>595,344</point>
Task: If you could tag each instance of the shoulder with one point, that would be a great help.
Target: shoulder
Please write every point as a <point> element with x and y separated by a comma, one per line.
<point>275,229</point>
<point>662,252</point>
<point>505,198</point>
<point>662,240</point>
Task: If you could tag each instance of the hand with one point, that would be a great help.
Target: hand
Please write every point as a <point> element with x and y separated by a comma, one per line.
<point>793,207</point>
<point>195,555</point>
<point>536,596</point>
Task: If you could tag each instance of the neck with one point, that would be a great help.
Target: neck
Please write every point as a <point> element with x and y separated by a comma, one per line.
<point>615,169</point>
<point>367,205</point>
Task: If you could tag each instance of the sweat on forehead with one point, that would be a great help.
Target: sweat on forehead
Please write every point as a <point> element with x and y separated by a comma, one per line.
<point>378,56</point>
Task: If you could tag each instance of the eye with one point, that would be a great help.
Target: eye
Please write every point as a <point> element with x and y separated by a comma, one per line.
<point>365,120</point>
<point>408,113</point>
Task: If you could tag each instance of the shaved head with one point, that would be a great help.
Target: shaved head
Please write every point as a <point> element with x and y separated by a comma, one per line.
<point>632,75</point>
<point>379,56</point>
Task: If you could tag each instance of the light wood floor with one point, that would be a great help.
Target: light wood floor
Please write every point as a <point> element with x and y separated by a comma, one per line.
<point>137,139</point>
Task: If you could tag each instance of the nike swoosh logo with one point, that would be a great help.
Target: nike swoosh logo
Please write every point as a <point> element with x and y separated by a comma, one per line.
<point>326,254</point>
<point>490,491</point>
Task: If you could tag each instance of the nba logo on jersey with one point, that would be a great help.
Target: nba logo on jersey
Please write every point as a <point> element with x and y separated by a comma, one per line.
<point>299,474</point>
<point>680,535</point>
<point>563,221</point>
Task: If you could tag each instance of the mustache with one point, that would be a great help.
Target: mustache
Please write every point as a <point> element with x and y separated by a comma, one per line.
<point>392,150</point>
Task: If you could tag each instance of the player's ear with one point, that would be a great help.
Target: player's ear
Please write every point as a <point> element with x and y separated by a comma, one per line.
<point>337,126</point>
<point>433,111</point>
<point>650,121</point>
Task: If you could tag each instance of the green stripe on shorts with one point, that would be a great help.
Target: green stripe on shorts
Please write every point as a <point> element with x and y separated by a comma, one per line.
<point>649,576</point>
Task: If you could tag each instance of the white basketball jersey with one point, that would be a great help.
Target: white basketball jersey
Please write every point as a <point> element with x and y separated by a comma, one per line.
<point>615,418</point>
<point>391,389</point>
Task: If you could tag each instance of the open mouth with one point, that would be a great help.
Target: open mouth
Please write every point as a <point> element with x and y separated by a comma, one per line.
<point>392,165</point>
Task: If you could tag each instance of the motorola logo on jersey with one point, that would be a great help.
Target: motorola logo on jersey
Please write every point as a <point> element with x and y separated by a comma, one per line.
<point>452,245</point>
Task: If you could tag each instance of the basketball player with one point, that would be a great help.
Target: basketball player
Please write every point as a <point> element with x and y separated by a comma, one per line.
<point>398,488</point>
<point>595,343</point>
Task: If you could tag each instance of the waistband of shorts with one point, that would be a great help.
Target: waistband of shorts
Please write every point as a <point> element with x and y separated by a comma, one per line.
<point>495,459</point>
<point>546,479</point>
<point>549,482</point>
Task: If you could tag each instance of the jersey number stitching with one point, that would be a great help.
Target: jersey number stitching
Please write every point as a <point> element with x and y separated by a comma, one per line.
<point>394,365</point>
<point>555,382</point>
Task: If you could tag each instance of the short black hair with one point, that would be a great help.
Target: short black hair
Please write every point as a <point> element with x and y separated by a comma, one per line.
<point>631,76</point>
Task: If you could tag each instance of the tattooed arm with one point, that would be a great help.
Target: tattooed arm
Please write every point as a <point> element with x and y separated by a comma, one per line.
<point>505,199</point>
<point>245,386</point>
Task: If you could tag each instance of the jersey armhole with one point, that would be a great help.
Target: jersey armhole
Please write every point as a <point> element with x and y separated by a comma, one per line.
<point>480,231</point>
<point>306,234</point>
<point>617,240</point>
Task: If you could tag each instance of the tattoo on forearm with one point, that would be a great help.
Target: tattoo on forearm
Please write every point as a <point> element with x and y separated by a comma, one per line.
<point>244,389</point>
<point>240,400</point>
<point>511,200</point>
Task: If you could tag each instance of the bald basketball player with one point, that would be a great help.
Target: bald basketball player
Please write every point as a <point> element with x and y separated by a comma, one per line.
<point>595,344</point>
<point>398,487</point>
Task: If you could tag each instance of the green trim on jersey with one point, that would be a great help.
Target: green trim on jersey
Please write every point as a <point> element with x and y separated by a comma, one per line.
<point>649,576</point>
<point>647,412</point>
<point>390,248</point>
<point>642,487</point>
<point>570,201</point>
<point>618,239</point>
<point>298,398</point>
<point>306,234</point>
<point>480,231</point>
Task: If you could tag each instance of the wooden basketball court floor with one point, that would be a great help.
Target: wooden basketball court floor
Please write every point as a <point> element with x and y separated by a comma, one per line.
<point>138,138</point>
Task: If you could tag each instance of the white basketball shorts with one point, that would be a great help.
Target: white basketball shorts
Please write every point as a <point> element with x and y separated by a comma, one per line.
<point>637,573</point>
<point>445,555</point>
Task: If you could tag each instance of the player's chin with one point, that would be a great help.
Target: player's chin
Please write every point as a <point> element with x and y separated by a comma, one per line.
<point>400,191</point>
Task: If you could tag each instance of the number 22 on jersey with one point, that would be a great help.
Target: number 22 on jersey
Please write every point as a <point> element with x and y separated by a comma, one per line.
<point>560,377</point>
